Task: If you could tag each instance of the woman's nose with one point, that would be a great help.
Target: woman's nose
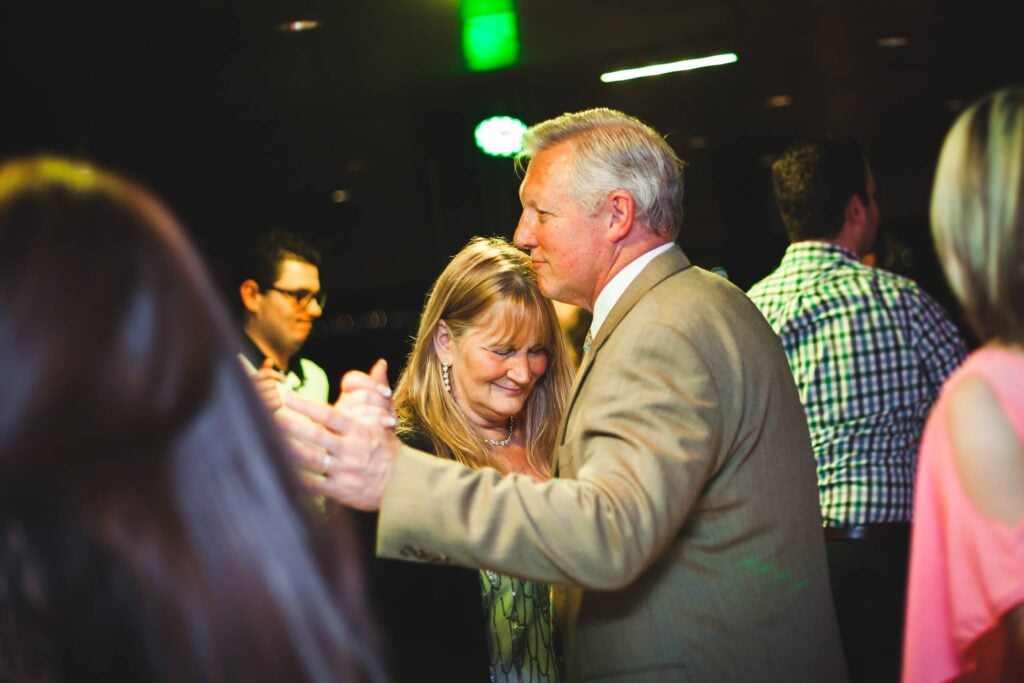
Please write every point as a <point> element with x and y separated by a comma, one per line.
<point>519,369</point>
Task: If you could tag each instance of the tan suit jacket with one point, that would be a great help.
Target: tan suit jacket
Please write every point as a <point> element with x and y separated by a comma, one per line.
<point>685,516</point>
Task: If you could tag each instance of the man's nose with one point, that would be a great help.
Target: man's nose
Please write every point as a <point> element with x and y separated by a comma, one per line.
<point>523,237</point>
<point>314,309</point>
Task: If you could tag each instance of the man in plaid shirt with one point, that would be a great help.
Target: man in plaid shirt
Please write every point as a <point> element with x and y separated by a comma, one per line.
<point>869,351</point>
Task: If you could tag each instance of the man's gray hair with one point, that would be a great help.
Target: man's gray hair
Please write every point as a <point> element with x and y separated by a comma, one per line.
<point>614,151</point>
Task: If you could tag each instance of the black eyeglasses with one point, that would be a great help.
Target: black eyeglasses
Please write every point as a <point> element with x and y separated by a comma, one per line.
<point>303,296</point>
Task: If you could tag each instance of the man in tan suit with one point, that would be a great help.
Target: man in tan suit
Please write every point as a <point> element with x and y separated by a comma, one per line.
<point>684,519</point>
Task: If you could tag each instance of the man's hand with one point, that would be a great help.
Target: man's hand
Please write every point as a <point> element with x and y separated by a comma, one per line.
<point>356,433</point>
<point>267,380</point>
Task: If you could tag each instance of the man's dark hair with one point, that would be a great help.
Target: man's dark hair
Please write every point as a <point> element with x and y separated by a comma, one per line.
<point>813,182</point>
<point>262,260</point>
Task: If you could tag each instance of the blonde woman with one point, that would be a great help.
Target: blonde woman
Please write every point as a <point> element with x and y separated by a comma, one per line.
<point>965,609</point>
<point>486,385</point>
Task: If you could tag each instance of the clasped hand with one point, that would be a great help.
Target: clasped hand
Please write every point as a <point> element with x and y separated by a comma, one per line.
<point>267,380</point>
<point>356,433</point>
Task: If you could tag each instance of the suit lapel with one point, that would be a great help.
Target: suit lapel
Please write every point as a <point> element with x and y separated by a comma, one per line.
<point>663,266</point>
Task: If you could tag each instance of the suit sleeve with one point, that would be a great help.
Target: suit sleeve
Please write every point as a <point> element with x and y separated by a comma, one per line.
<point>641,440</point>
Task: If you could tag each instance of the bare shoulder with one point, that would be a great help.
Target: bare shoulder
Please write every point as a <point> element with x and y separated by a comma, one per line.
<point>988,452</point>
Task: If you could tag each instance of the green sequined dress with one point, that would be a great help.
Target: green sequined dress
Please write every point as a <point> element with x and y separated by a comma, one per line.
<point>520,635</point>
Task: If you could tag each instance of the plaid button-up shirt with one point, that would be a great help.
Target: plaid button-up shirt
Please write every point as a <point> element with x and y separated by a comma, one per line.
<point>869,351</point>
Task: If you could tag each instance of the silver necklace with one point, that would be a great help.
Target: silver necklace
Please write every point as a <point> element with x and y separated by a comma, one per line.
<point>508,439</point>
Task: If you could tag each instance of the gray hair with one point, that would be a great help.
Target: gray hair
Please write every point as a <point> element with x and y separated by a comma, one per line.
<point>616,151</point>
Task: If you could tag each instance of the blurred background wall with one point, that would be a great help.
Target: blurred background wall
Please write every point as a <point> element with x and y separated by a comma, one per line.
<point>358,132</point>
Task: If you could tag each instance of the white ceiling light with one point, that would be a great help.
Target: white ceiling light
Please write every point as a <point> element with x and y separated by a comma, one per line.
<point>298,25</point>
<point>669,67</point>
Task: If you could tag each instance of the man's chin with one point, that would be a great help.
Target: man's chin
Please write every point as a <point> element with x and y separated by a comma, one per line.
<point>556,295</point>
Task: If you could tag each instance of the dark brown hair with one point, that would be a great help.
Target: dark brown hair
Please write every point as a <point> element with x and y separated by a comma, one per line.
<point>151,526</point>
<point>813,182</point>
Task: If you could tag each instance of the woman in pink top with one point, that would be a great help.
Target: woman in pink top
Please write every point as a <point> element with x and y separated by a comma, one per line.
<point>965,607</point>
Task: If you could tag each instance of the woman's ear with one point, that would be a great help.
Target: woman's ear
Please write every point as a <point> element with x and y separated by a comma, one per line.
<point>443,342</point>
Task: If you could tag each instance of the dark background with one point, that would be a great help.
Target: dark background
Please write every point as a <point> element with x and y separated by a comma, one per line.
<point>242,127</point>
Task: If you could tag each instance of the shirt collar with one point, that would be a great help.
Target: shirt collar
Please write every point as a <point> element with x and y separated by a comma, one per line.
<point>818,248</point>
<point>612,292</point>
<point>255,356</point>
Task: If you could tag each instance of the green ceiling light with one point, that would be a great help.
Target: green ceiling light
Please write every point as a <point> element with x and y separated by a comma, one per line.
<point>500,136</point>
<point>670,67</point>
<point>490,33</point>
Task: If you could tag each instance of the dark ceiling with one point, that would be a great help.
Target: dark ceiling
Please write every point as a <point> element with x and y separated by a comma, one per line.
<point>242,127</point>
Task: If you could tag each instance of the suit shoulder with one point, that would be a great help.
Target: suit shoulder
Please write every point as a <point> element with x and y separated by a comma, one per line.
<point>697,289</point>
<point>706,308</point>
<point>696,279</point>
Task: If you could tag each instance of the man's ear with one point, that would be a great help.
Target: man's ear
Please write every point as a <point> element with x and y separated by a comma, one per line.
<point>622,212</point>
<point>249,291</point>
<point>443,342</point>
<point>855,217</point>
<point>856,213</point>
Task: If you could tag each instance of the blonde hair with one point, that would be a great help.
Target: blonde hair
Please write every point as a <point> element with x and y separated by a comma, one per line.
<point>977,214</point>
<point>489,277</point>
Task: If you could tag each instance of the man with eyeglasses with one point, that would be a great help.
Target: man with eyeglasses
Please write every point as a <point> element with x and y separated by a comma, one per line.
<point>281,297</point>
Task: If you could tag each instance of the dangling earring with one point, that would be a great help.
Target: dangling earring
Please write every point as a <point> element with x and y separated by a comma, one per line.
<point>445,379</point>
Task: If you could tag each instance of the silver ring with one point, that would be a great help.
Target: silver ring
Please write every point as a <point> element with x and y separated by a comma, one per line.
<point>326,465</point>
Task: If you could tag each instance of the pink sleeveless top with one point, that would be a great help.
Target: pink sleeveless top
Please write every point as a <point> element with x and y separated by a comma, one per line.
<point>966,570</point>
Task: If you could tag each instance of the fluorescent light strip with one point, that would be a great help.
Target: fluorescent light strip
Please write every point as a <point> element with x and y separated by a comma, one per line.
<point>659,69</point>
